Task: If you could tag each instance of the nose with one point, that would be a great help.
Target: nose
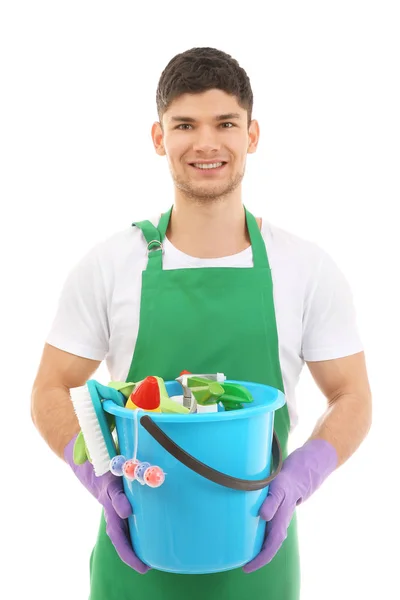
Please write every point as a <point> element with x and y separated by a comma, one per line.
<point>206,140</point>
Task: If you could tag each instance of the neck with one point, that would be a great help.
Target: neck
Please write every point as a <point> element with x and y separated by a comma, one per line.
<point>210,229</point>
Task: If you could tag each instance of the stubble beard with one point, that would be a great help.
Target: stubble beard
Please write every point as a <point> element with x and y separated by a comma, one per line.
<point>207,194</point>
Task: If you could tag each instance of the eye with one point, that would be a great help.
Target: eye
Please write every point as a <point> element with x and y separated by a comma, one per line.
<point>183,126</point>
<point>228,125</point>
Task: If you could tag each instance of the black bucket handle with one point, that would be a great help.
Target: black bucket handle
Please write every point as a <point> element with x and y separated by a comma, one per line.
<point>247,485</point>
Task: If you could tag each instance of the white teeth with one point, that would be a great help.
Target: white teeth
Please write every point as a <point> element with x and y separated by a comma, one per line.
<point>208,165</point>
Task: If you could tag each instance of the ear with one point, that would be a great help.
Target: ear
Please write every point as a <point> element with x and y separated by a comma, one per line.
<point>254,136</point>
<point>157,136</point>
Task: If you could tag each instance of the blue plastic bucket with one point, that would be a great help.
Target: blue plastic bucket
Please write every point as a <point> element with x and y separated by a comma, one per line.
<point>192,524</point>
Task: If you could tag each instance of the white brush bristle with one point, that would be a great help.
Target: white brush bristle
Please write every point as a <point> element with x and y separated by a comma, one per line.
<point>91,430</point>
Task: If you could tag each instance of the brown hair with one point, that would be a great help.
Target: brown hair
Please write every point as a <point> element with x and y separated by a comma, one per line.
<point>201,69</point>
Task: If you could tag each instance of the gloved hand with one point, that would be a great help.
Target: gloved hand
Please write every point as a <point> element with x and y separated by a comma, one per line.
<point>302,473</point>
<point>108,490</point>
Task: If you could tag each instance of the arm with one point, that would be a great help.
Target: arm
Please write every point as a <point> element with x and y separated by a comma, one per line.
<point>329,330</point>
<point>347,420</point>
<point>336,436</point>
<point>51,406</point>
<point>54,417</point>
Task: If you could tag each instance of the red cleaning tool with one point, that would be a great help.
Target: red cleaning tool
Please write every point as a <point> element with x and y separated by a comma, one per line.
<point>146,396</point>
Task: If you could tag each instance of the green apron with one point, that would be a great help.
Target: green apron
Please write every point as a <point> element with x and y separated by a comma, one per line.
<point>238,303</point>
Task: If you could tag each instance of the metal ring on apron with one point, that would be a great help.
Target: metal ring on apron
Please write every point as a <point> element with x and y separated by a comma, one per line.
<point>160,246</point>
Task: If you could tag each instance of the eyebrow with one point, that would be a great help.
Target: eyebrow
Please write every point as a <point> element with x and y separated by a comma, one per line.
<point>226,117</point>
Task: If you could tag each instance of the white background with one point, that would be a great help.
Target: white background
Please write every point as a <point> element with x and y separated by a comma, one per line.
<point>78,83</point>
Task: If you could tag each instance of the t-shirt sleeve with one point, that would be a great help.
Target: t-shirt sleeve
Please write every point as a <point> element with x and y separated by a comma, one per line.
<point>329,320</point>
<point>80,325</point>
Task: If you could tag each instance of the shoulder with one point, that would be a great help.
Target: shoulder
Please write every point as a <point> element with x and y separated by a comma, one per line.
<point>301,267</point>
<point>126,244</point>
<point>118,257</point>
<point>291,250</point>
<point>129,238</point>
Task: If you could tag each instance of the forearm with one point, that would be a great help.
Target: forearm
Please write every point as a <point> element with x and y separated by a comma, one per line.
<point>345,424</point>
<point>54,417</point>
<point>51,407</point>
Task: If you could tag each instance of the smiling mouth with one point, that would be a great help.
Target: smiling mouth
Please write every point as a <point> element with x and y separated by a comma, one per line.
<point>208,166</point>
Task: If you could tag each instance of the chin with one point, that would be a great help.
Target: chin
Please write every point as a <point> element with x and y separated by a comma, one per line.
<point>205,193</point>
<point>209,191</point>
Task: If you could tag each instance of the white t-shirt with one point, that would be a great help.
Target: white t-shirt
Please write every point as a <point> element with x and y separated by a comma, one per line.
<point>98,312</point>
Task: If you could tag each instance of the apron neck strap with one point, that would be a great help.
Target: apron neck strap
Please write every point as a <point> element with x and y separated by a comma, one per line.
<point>163,223</point>
<point>155,235</point>
<point>260,258</point>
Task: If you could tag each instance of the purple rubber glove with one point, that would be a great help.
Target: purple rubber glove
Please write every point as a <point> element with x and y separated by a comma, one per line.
<point>108,490</point>
<point>302,473</point>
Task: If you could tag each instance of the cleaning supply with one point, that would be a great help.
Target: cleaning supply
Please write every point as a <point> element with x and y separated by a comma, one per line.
<point>134,469</point>
<point>81,453</point>
<point>117,464</point>
<point>143,472</point>
<point>95,426</point>
<point>129,468</point>
<point>204,517</point>
<point>146,396</point>
<point>126,388</point>
<point>234,396</point>
<point>205,391</point>
<point>140,471</point>
<point>149,395</point>
<point>208,392</point>
<point>154,477</point>
<point>189,399</point>
<point>168,405</point>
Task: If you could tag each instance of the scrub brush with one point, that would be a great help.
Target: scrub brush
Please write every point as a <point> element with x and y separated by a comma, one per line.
<point>87,403</point>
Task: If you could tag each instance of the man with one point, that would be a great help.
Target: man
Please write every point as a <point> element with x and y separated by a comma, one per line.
<point>276,300</point>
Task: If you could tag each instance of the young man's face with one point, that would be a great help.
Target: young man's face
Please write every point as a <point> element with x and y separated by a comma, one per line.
<point>206,139</point>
